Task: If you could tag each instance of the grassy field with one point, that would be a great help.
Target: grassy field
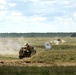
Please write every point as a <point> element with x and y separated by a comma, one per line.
<point>59,60</point>
<point>9,48</point>
<point>51,70</point>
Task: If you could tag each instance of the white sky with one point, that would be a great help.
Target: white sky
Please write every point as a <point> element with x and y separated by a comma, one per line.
<point>37,16</point>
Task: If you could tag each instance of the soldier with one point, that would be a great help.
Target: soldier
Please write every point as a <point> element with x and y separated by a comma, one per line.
<point>27,46</point>
<point>28,49</point>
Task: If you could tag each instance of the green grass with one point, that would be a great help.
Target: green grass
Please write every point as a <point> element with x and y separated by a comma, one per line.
<point>33,70</point>
<point>64,47</point>
<point>58,53</point>
<point>55,56</point>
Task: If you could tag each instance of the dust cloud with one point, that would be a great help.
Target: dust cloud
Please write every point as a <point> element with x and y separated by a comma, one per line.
<point>9,46</point>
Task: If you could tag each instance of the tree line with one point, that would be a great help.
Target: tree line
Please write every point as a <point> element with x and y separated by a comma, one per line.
<point>37,34</point>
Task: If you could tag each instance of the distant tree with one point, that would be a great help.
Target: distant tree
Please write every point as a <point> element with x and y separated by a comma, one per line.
<point>73,35</point>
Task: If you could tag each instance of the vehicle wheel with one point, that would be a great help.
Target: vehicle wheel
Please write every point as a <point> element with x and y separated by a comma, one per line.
<point>20,57</point>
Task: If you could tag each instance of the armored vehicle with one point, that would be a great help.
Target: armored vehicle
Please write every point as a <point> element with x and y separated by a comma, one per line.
<point>26,51</point>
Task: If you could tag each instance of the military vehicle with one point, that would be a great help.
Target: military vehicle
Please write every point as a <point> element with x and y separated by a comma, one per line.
<point>26,52</point>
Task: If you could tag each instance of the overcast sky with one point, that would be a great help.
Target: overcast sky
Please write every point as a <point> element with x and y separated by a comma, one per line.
<point>37,16</point>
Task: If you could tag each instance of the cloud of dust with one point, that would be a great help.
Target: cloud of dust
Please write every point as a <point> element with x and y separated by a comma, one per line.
<point>9,46</point>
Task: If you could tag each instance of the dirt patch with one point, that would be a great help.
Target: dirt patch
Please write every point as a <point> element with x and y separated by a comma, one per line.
<point>29,63</point>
